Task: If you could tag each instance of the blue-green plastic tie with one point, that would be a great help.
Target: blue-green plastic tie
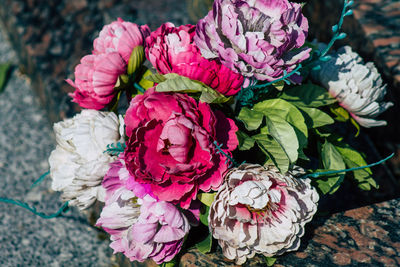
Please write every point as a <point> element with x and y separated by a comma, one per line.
<point>336,28</point>
<point>40,179</point>
<point>226,155</point>
<point>24,205</point>
<point>284,77</point>
<point>139,88</point>
<point>317,174</point>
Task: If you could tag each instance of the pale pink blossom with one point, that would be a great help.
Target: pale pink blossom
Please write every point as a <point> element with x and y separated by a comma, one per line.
<point>95,78</point>
<point>122,37</point>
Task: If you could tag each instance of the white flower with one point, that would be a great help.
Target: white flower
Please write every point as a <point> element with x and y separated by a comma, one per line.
<point>259,210</point>
<point>78,164</point>
<point>357,86</point>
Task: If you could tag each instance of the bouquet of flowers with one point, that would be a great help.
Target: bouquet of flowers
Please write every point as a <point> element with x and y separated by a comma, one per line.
<point>229,123</point>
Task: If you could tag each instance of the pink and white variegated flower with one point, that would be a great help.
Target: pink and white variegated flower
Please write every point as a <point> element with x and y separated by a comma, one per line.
<point>140,226</point>
<point>259,210</point>
<point>256,38</point>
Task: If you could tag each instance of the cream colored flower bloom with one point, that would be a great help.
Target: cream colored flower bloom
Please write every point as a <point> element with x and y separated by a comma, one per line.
<point>259,210</point>
<point>78,164</point>
<point>357,86</point>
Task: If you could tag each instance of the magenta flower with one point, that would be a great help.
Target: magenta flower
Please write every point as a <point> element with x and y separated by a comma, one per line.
<point>171,145</point>
<point>122,37</point>
<point>95,78</point>
<point>257,38</point>
<point>171,50</point>
<point>140,226</point>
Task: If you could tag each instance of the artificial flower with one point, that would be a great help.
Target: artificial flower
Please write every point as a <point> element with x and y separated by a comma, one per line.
<point>78,164</point>
<point>95,79</point>
<point>259,210</point>
<point>358,87</point>
<point>122,37</point>
<point>171,50</point>
<point>140,227</point>
<point>171,145</point>
<point>258,38</point>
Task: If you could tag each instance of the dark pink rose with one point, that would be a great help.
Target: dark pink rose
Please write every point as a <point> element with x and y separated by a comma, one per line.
<point>171,145</point>
<point>171,50</point>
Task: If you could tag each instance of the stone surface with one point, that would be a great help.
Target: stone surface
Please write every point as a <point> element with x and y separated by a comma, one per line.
<point>26,140</point>
<point>367,236</point>
<point>52,36</point>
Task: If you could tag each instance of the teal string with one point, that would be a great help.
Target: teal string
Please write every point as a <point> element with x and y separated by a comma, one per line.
<point>317,174</point>
<point>337,35</point>
<point>218,147</point>
<point>277,80</point>
<point>40,179</point>
<point>26,206</point>
<point>139,88</point>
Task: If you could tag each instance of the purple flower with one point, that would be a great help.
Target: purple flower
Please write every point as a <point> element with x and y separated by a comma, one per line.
<point>257,38</point>
<point>140,226</point>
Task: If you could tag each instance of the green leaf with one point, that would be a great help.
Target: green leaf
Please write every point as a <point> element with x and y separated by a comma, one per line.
<point>308,95</point>
<point>136,59</point>
<point>205,245</point>
<point>270,261</point>
<point>245,141</point>
<point>316,118</point>
<point>171,263</point>
<point>341,114</point>
<point>284,134</point>
<point>204,216</point>
<point>252,119</point>
<point>279,85</point>
<point>353,121</point>
<point>273,150</point>
<point>156,78</point>
<point>332,160</point>
<point>206,198</point>
<point>4,68</point>
<point>144,82</point>
<point>177,83</point>
<point>289,113</point>
<point>354,159</point>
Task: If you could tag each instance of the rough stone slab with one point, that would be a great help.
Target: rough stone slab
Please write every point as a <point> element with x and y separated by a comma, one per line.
<point>367,236</point>
<point>26,141</point>
<point>50,37</point>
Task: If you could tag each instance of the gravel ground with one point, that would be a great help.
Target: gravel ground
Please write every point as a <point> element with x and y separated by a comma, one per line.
<point>26,140</point>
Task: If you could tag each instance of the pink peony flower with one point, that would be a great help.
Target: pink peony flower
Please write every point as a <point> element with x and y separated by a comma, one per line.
<point>140,228</point>
<point>95,78</point>
<point>171,145</point>
<point>122,37</point>
<point>259,210</point>
<point>159,232</point>
<point>171,49</point>
<point>257,38</point>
